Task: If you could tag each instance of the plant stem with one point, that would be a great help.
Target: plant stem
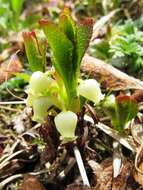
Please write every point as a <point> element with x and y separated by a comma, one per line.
<point>81,166</point>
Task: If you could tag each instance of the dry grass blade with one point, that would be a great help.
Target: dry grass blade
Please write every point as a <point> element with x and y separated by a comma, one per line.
<point>5,161</point>
<point>125,141</point>
<point>10,179</point>
<point>99,24</point>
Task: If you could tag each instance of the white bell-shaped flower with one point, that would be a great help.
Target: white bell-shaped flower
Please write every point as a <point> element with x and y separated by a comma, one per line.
<point>39,82</point>
<point>66,122</point>
<point>90,89</point>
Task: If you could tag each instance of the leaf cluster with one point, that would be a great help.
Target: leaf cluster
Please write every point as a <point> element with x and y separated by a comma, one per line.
<point>121,109</point>
<point>122,46</point>
<point>68,41</point>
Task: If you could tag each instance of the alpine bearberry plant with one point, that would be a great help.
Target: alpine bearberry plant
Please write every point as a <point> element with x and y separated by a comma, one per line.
<point>60,87</point>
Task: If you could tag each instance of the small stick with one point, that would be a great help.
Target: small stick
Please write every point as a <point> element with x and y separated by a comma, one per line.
<point>12,102</point>
<point>8,108</point>
<point>81,166</point>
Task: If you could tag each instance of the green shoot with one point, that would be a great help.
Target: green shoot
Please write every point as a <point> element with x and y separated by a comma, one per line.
<point>121,109</point>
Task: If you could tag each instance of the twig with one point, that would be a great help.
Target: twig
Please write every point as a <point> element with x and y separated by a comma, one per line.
<point>12,102</point>
<point>8,108</point>
<point>81,166</point>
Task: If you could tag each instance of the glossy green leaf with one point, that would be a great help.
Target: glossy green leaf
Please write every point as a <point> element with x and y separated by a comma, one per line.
<point>36,57</point>
<point>126,109</point>
<point>62,50</point>
<point>122,111</point>
<point>84,32</point>
<point>67,24</point>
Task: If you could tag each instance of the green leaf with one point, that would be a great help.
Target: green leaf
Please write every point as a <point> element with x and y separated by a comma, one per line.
<point>67,24</point>
<point>126,109</point>
<point>17,6</point>
<point>84,32</point>
<point>121,109</point>
<point>62,49</point>
<point>23,76</point>
<point>36,57</point>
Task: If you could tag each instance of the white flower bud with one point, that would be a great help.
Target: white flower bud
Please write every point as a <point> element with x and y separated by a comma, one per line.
<point>90,89</point>
<point>66,122</point>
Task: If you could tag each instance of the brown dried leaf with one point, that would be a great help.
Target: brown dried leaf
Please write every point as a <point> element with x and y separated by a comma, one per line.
<point>31,183</point>
<point>104,175</point>
<point>9,51</point>
<point>7,70</point>
<point>138,173</point>
<point>109,77</point>
<point>104,178</point>
<point>120,182</point>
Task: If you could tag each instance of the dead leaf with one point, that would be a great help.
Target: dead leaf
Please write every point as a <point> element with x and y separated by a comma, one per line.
<point>138,173</point>
<point>31,183</point>
<point>7,70</point>
<point>120,182</point>
<point>8,52</point>
<point>104,175</point>
<point>109,77</point>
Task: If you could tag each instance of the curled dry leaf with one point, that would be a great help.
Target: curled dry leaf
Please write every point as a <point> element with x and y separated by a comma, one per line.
<point>138,173</point>
<point>137,133</point>
<point>7,70</point>
<point>109,77</point>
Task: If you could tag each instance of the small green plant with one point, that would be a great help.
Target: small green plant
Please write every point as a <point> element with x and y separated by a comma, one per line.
<point>10,11</point>
<point>60,87</point>
<point>121,109</point>
<point>122,47</point>
<point>126,45</point>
